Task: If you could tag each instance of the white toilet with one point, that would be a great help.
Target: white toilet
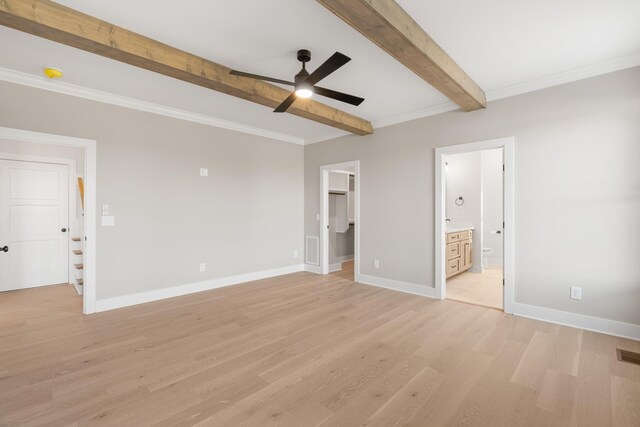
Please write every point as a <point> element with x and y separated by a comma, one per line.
<point>486,254</point>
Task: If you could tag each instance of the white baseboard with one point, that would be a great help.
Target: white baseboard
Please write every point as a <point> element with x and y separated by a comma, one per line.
<point>190,288</point>
<point>345,258</point>
<point>312,268</point>
<point>397,285</point>
<point>335,267</point>
<point>581,321</point>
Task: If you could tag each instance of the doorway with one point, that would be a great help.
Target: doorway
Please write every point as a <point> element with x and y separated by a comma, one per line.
<point>474,223</point>
<point>35,208</point>
<point>32,215</point>
<point>340,219</point>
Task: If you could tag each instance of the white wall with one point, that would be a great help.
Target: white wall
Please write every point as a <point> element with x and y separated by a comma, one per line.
<point>577,193</point>
<point>247,216</point>
<point>492,204</point>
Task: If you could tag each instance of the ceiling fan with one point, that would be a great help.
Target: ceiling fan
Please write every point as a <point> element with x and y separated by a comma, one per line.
<point>305,84</point>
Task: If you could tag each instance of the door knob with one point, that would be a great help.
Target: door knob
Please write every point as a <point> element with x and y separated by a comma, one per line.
<point>64,230</point>
<point>5,249</point>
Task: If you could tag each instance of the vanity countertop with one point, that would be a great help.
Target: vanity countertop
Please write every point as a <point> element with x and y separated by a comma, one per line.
<point>456,229</point>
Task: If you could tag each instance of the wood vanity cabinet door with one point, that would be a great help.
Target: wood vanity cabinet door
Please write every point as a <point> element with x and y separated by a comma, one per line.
<point>453,250</point>
<point>466,234</point>
<point>453,237</point>
<point>466,255</point>
<point>453,267</point>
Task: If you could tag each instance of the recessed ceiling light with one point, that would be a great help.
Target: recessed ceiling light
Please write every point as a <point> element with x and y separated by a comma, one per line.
<point>52,73</point>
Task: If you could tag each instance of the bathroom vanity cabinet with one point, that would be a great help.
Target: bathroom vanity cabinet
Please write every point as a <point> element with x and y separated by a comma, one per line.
<point>459,251</point>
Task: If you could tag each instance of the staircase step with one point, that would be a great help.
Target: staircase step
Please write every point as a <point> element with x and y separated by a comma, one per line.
<point>77,252</point>
<point>79,266</point>
<point>76,239</point>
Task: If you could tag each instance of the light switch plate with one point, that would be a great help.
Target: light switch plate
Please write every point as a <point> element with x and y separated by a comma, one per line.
<point>105,210</point>
<point>108,221</point>
<point>576,293</point>
<point>204,172</point>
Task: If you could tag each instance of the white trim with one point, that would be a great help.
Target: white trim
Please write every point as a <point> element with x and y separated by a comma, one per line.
<point>325,137</point>
<point>190,288</point>
<point>397,285</point>
<point>508,144</point>
<point>89,286</point>
<point>345,257</point>
<point>65,88</point>
<point>335,267</point>
<point>78,287</point>
<point>313,268</point>
<point>588,71</point>
<point>569,76</point>
<point>324,213</point>
<point>581,321</point>
<point>577,74</point>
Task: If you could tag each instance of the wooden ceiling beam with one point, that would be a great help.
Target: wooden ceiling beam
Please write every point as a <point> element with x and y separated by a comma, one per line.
<point>61,24</point>
<point>386,24</point>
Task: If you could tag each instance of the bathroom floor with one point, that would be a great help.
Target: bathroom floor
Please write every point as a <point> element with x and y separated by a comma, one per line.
<point>483,289</point>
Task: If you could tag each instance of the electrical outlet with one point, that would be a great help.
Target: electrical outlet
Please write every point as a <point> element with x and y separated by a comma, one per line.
<point>317,217</point>
<point>204,172</point>
<point>108,221</point>
<point>376,263</point>
<point>576,293</point>
<point>203,267</point>
<point>295,254</point>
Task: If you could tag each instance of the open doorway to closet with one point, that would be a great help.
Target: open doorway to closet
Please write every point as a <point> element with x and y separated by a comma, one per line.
<point>44,215</point>
<point>340,216</point>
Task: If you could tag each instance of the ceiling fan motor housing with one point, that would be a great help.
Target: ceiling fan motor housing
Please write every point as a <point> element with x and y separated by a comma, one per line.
<point>304,55</point>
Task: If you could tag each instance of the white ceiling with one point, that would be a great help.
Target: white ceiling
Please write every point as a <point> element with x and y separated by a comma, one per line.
<point>499,43</point>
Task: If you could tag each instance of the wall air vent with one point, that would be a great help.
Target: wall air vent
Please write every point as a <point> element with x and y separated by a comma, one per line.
<point>312,250</point>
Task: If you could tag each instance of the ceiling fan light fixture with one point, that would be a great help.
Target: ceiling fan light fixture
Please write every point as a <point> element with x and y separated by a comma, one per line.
<point>304,92</point>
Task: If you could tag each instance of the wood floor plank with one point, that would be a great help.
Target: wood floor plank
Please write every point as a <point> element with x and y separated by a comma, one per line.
<point>303,349</point>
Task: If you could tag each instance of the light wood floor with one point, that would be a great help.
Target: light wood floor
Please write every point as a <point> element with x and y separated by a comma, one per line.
<point>477,288</point>
<point>303,350</point>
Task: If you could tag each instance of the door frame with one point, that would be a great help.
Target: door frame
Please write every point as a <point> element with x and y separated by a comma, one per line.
<point>90,157</point>
<point>508,145</point>
<point>71,202</point>
<point>324,214</point>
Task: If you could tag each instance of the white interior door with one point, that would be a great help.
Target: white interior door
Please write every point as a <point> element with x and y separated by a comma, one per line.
<point>34,223</point>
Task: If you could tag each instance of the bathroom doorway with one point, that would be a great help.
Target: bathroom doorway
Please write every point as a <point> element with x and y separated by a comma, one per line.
<point>474,237</point>
<point>473,227</point>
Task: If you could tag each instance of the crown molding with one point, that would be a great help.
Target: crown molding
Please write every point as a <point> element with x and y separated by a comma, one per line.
<point>65,88</point>
<point>582,73</point>
<point>557,79</point>
<point>31,80</point>
<point>326,137</point>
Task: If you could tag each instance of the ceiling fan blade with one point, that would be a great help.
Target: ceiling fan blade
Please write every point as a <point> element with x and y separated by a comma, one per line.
<point>286,103</point>
<point>336,61</point>
<point>258,77</point>
<point>344,97</point>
